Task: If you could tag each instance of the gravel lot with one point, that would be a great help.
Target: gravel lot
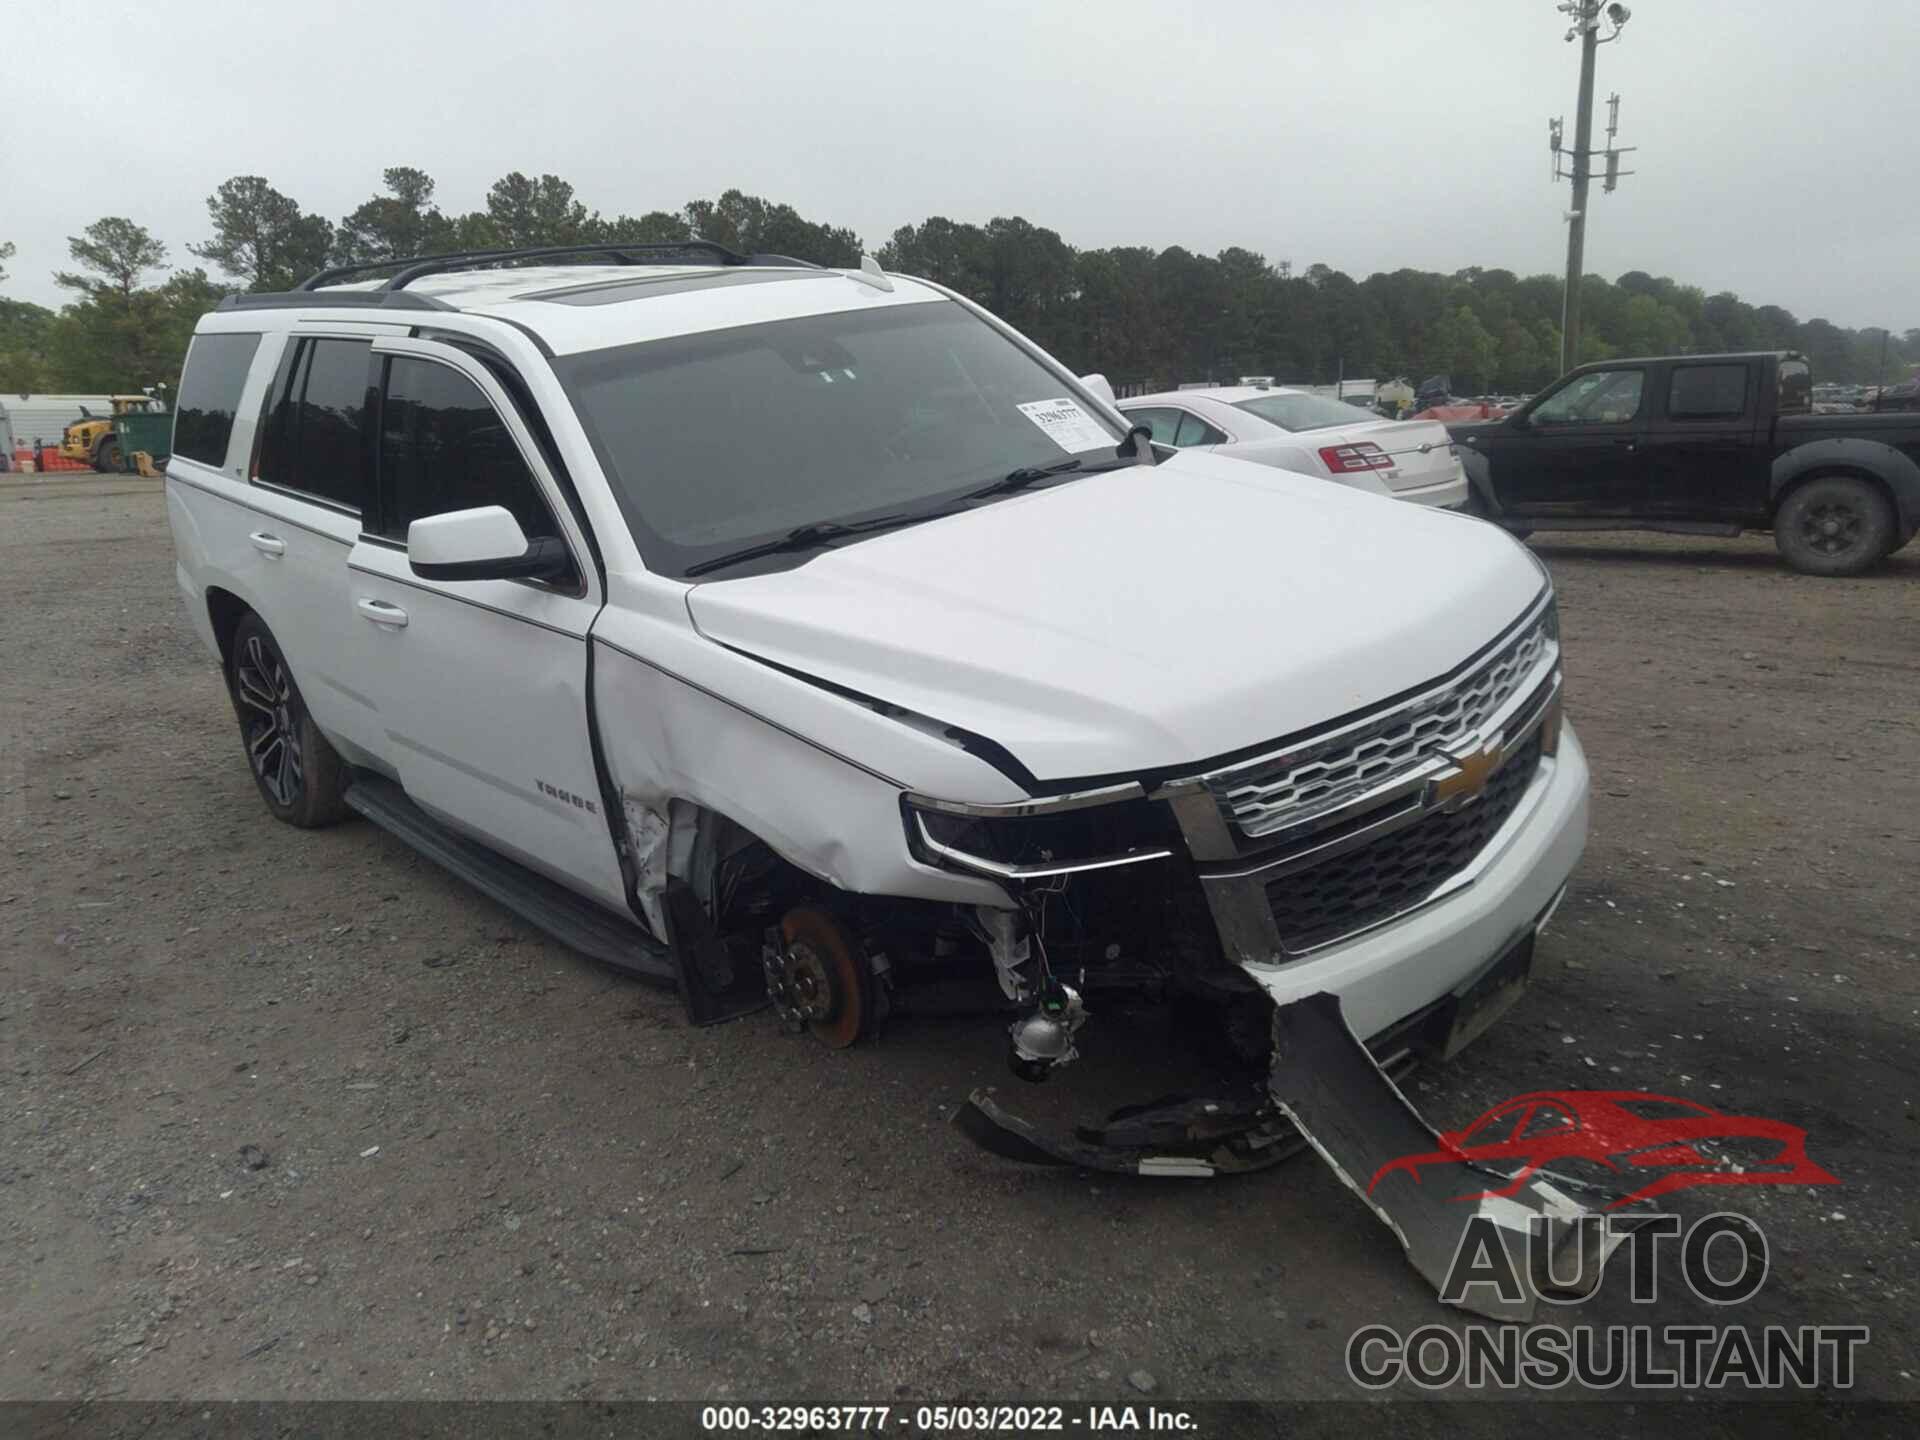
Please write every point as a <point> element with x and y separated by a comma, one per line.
<point>494,1170</point>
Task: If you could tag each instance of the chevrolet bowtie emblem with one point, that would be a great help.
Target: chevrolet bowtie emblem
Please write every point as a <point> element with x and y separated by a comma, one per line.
<point>1461,786</point>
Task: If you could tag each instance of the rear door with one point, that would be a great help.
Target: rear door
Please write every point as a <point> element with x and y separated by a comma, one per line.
<point>1580,452</point>
<point>310,478</point>
<point>481,684</point>
<point>1704,461</point>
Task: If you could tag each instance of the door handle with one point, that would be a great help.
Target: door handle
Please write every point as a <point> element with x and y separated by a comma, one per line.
<point>268,544</point>
<point>381,613</point>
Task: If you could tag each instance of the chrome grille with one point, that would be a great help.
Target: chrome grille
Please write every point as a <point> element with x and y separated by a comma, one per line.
<point>1320,776</point>
<point>1367,886</point>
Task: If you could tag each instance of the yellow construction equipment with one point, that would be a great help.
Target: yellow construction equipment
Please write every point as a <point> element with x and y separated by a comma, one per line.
<point>92,439</point>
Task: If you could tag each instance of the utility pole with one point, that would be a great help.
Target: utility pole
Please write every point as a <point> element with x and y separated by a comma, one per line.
<point>1586,16</point>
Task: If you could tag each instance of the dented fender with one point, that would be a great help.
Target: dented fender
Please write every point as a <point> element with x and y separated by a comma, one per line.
<point>686,723</point>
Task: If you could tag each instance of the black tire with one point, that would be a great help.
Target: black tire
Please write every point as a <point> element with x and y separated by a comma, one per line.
<point>106,455</point>
<point>1834,525</point>
<point>300,775</point>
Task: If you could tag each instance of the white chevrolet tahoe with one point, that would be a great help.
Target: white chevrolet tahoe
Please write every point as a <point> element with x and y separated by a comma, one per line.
<point>795,634</point>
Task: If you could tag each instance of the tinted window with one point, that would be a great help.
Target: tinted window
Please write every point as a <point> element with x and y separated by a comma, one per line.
<point>210,389</point>
<point>1300,412</point>
<point>444,447</point>
<point>1707,392</point>
<point>314,436</point>
<point>1796,387</point>
<point>1606,397</point>
<point>717,441</point>
<point>1165,424</point>
<point>1195,431</point>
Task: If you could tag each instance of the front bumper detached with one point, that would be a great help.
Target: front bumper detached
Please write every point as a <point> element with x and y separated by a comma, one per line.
<point>1328,1091</point>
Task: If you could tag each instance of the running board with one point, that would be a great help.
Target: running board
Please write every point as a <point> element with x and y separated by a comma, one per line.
<point>567,917</point>
<point>1721,529</point>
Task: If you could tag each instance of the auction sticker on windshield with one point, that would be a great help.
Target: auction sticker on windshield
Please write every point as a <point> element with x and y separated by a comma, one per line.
<point>1066,424</point>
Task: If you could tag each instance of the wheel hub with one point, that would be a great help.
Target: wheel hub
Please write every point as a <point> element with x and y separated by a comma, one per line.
<point>798,984</point>
<point>817,976</point>
<point>1831,529</point>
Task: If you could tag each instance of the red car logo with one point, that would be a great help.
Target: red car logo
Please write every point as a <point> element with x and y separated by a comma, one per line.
<point>1629,1132</point>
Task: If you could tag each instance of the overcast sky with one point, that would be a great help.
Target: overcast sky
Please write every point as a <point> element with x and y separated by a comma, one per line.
<point>1776,137</point>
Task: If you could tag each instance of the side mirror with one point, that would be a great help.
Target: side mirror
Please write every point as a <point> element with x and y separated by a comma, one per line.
<point>1099,386</point>
<point>1519,421</point>
<point>482,544</point>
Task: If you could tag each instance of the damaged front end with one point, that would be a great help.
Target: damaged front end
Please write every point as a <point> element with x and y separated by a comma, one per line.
<point>1104,901</point>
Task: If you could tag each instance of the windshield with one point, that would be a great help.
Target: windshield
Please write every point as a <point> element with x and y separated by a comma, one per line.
<point>718,441</point>
<point>1300,412</point>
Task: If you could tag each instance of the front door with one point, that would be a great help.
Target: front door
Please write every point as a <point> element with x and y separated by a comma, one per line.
<point>1580,451</point>
<point>482,683</point>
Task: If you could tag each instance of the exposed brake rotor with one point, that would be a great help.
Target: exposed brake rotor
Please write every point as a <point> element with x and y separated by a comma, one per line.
<point>817,977</point>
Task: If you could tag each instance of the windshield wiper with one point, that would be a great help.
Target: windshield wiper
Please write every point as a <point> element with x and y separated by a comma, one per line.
<point>816,535</point>
<point>1020,479</point>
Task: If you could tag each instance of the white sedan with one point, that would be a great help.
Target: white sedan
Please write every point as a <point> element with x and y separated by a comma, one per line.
<point>1312,434</point>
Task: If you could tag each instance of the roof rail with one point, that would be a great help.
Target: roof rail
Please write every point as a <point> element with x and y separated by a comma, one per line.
<point>352,299</point>
<point>414,267</point>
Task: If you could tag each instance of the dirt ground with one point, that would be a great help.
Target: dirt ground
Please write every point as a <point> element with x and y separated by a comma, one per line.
<point>495,1170</point>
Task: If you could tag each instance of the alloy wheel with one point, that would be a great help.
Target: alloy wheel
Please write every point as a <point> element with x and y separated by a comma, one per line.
<point>265,690</point>
<point>1831,528</point>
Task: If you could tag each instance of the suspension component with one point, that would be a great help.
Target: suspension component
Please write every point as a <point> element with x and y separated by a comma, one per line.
<point>1043,1041</point>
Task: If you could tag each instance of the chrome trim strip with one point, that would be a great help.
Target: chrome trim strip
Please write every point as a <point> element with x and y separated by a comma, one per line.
<point>1287,864</point>
<point>1275,867</point>
<point>1041,805</point>
<point>1251,936</point>
<point>1308,739</point>
<point>1001,870</point>
<point>1463,879</point>
<point>1230,838</point>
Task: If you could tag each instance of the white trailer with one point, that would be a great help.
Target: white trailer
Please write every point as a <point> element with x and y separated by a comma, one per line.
<point>27,418</point>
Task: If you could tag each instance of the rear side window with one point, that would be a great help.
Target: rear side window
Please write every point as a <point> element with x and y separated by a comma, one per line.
<point>1707,392</point>
<point>1796,388</point>
<point>1164,424</point>
<point>444,447</point>
<point>210,389</point>
<point>315,436</point>
<point>1195,431</point>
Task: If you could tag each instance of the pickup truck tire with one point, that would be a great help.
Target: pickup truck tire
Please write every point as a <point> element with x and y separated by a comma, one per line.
<point>1834,525</point>
<point>299,774</point>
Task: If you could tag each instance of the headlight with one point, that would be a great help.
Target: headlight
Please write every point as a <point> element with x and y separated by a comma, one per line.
<point>1037,839</point>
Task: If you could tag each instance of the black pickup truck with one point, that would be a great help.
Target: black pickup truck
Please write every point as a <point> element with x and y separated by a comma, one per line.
<point>1705,445</point>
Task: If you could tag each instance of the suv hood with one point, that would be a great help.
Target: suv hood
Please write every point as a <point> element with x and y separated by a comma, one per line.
<point>1141,619</point>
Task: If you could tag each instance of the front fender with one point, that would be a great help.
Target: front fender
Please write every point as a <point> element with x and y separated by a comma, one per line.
<point>1892,467</point>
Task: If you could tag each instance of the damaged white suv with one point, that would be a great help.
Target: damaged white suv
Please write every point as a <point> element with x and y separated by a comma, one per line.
<point>793,633</point>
